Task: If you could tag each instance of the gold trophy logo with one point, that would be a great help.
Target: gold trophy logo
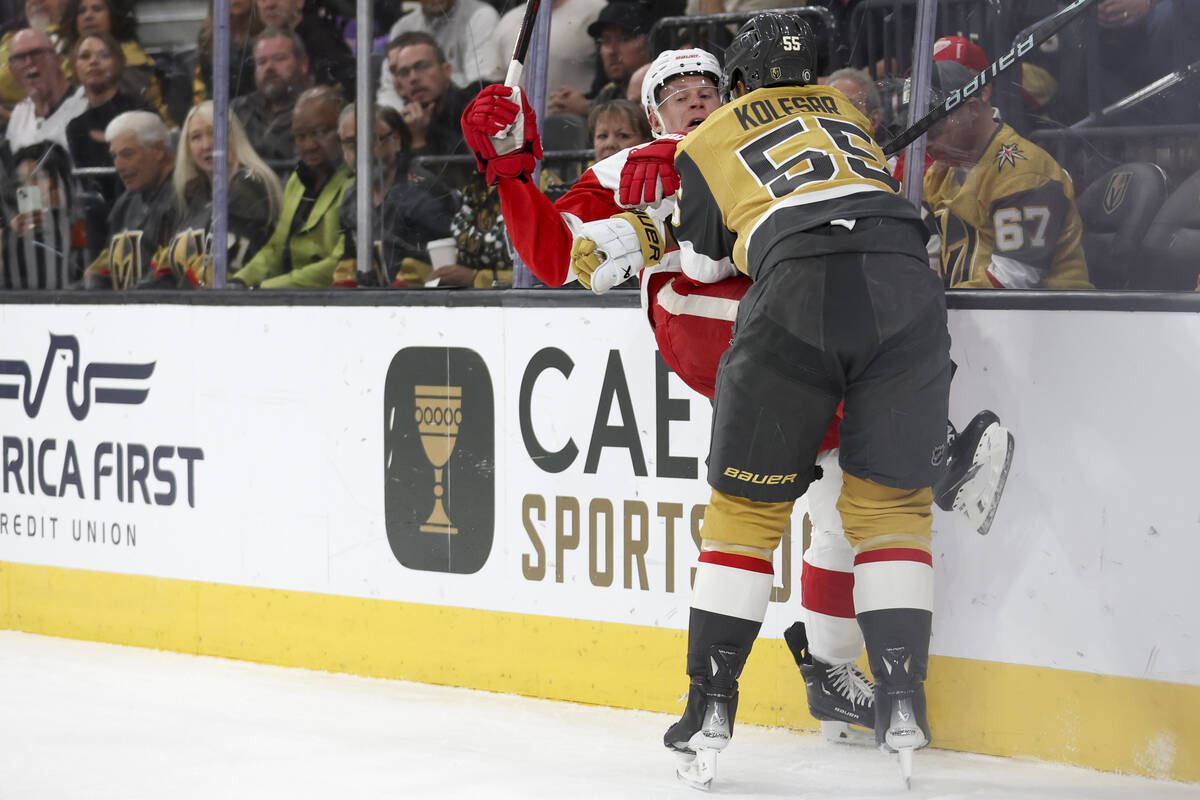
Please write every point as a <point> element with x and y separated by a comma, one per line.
<point>438,416</point>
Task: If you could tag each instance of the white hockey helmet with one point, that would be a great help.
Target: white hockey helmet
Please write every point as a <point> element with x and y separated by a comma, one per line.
<point>671,64</point>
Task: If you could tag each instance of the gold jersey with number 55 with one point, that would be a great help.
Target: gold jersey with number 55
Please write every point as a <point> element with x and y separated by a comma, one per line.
<point>803,150</point>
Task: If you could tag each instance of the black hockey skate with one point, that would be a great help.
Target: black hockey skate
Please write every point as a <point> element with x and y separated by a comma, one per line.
<point>707,723</point>
<point>900,723</point>
<point>976,470</point>
<point>840,696</point>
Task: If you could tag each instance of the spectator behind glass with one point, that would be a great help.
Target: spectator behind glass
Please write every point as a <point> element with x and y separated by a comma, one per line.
<point>410,206</point>
<point>462,30</point>
<point>572,53</point>
<point>861,91</point>
<point>619,33</point>
<point>330,60</point>
<point>42,15</point>
<point>433,104</point>
<point>615,125</point>
<point>98,61</point>
<point>49,105</point>
<point>479,231</point>
<point>44,244</point>
<point>1003,209</point>
<point>281,73</point>
<point>146,215</point>
<point>244,26</point>
<point>116,18</point>
<point>255,197</point>
<point>306,245</point>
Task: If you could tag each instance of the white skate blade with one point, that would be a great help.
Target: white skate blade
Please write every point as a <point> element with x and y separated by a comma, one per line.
<point>905,755</point>
<point>979,496</point>
<point>845,733</point>
<point>700,770</point>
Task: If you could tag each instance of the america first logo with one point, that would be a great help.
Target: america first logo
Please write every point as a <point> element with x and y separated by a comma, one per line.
<point>439,459</point>
<point>99,382</point>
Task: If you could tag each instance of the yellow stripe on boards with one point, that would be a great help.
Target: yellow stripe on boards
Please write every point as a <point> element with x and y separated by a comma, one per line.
<point>1117,724</point>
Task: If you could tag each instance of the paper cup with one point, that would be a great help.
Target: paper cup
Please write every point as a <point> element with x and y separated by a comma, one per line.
<point>443,252</point>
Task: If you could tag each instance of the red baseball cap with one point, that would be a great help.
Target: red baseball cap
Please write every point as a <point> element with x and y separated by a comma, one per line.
<point>962,51</point>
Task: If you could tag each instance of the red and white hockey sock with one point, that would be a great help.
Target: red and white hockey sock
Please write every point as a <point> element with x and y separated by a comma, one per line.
<point>893,577</point>
<point>827,597</point>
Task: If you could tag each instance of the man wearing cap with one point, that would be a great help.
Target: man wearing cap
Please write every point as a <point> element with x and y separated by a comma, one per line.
<point>1002,209</point>
<point>620,32</point>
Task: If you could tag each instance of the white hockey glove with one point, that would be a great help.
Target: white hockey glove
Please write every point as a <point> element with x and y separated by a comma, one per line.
<point>609,251</point>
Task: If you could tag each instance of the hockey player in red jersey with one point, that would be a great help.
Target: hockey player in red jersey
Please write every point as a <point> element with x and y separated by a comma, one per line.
<point>692,322</point>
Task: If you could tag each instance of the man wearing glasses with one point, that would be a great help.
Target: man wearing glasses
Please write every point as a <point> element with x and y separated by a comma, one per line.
<point>49,104</point>
<point>462,29</point>
<point>433,103</point>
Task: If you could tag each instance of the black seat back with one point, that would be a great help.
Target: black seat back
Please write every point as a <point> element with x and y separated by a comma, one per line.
<point>1172,242</point>
<point>1116,210</point>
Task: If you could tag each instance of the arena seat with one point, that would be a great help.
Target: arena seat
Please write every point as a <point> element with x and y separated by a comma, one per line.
<point>1171,246</point>
<point>1116,209</point>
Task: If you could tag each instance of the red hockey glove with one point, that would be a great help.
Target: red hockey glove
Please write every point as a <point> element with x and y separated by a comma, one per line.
<point>649,172</point>
<point>491,113</point>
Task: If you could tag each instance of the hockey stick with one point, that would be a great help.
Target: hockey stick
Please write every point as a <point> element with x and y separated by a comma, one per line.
<point>512,137</point>
<point>1026,41</point>
<point>516,67</point>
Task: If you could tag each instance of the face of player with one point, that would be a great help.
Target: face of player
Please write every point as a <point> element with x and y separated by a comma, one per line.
<point>279,13</point>
<point>239,8</point>
<point>417,75</point>
<point>683,103</point>
<point>200,144</point>
<point>315,129</point>
<point>139,166</point>
<point>621,52</point>
<point>276,69</point>
<point>95,65</point>
<point>93,17</point>
<point>614,132</point>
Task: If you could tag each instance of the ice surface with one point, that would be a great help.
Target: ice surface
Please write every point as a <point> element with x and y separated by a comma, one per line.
<point>87,720</point>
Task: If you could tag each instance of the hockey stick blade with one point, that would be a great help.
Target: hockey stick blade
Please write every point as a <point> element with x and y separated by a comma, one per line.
<point>1026,42</point>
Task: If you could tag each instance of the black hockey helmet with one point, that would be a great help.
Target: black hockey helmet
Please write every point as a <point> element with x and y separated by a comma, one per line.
<point>771,49</point>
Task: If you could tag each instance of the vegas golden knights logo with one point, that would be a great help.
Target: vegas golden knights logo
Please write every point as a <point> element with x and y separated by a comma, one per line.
<point>1114,194</point>
<point>125,259</point>
<point>439,459</point>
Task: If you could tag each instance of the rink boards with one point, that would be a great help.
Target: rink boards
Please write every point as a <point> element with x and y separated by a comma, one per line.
<point>262,482</point>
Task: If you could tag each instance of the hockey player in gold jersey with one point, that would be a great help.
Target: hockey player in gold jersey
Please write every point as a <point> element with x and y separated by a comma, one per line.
<point>785,184</point>
<point>1003,208</point>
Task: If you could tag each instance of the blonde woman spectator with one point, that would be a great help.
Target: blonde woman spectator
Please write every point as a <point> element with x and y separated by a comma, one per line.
<point>255,197</point>
<point>615,125</point>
